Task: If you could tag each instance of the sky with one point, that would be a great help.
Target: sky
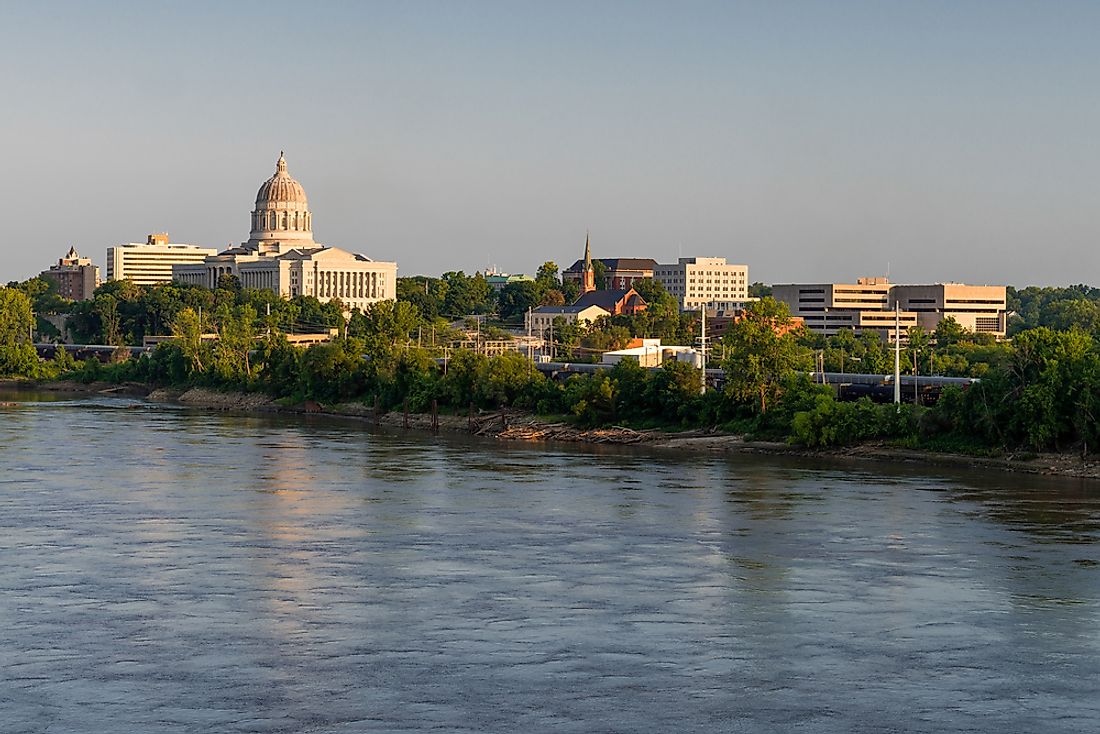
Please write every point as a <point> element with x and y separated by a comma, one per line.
<point>813,141</point>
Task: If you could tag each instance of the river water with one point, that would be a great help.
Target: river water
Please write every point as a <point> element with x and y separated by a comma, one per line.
<point>174,571</point>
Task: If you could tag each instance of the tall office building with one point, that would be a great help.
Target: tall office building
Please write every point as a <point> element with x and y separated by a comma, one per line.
<point>705,281</point>
<point>151,262</point>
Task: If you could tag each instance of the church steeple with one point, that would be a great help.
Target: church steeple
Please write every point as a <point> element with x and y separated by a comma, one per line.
<point>589,282</point>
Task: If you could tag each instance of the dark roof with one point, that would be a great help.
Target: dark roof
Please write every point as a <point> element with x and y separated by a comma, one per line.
<point>617,263</point>
<point>605,299</point>
<point>629,263</point>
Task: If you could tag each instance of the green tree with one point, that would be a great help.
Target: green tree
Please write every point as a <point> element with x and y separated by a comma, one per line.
<point>547,276</point>
<point>599,270</point>
<point>236,339</point>
<point>760,352</point>
<point>466,294</point>
<point>759,290</point>
<point>949,332</point>
<point>16,319</point>
<point>187,330</point>
<point>515,298</point>
<point>427,294</point>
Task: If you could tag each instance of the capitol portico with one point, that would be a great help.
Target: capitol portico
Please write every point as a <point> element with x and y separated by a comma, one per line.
<point>281,255</point>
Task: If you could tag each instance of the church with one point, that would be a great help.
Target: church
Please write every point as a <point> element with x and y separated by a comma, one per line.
<point>280,254</point>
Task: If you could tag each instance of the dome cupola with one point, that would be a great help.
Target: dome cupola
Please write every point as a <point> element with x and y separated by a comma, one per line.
<point>282,210</point>
<point>281,188</point>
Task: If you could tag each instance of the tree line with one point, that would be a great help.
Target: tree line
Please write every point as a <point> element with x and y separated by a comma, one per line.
<point>1038,391</point>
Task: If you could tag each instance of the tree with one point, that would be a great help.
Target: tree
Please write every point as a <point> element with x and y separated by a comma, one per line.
<point>552,297</point>
<point>187,329</point>
<point>599,270</point>
<point>236,339</point>
<point>427,294</point>
<point>16,319</point>
<point>515,298</point>
<point>759,290</point>
<point>383,331</point>
<point>466,294</point>
<point>229,282</point>
<point>948,332</point>
<point>106,308</point>
<point>760,352</point>
<point>547,276</point>
<point>1076,312</point>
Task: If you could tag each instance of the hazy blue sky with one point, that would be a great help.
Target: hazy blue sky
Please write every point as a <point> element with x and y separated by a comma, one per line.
<point>826,140</point>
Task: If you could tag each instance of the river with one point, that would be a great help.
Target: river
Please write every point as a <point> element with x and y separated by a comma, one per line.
<point>167,570</point>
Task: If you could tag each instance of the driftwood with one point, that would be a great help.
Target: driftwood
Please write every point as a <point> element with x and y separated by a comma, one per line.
<point>533,431</point>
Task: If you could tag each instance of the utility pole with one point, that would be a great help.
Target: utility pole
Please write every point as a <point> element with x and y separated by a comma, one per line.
<point>916,393</point>
<point>703,347</point>
<point>897,353</point>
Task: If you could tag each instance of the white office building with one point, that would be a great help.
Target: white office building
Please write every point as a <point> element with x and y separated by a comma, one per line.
<point>151,262</point>
<point>705,281</point>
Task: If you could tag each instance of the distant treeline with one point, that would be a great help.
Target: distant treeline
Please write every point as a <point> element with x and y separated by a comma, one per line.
<point>1039,391</point>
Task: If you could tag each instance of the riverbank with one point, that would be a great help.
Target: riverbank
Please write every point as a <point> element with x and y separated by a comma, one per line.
<point>518,426</point>
<point>72,387</point>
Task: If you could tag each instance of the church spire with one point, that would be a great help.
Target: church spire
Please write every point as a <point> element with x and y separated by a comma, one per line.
<point>588,282</point>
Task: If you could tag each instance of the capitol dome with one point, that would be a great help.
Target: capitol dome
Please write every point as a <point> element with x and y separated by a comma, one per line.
<point>281,188</point>
<point>282,210</point>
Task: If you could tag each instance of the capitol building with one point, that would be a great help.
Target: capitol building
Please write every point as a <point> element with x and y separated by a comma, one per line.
<point>280,254</point>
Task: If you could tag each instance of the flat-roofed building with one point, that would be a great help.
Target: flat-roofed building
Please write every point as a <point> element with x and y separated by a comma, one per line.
<point>75,276</point>
<point>869,304</point>
<point>982,309</point>
<point>705,281</point>
<point>151,262</point>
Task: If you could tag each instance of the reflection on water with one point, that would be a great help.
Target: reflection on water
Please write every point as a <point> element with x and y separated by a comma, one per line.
<point>168,570</point>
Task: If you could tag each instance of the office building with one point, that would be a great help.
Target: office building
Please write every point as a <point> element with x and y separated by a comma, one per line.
<point>75,276</point>
<point>869,304</point>
<point>151,262</point>
<point>705,281</point>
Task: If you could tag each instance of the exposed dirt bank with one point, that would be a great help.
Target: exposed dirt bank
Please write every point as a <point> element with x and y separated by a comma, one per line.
<point>515,426</point>
<point>130,389</point>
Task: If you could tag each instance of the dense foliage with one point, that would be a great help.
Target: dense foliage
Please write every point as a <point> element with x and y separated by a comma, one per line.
<point>1039,391</point>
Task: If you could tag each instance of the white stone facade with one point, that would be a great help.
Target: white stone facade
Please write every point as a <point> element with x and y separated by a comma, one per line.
<point>280,255</point>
